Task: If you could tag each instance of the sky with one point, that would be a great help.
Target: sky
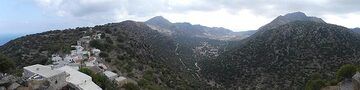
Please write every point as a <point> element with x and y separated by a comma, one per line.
<point>35,16</point>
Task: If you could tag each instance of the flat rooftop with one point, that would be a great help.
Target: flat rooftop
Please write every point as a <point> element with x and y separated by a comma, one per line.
<point>44,71</point>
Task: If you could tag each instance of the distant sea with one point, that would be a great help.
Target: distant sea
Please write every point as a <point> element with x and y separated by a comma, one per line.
<point>4,38</point>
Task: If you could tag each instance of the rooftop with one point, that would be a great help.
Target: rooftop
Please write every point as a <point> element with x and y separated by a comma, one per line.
<point>79,79</point>
<point>44,71</point>
<point>110,74</point>
<point>119,79</point>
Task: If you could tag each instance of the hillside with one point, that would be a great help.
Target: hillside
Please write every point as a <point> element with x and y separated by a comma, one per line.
<point>133,50</point>
<point>284,57</point>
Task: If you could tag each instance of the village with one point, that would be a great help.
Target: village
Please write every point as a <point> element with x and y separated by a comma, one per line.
<point>64,72</point>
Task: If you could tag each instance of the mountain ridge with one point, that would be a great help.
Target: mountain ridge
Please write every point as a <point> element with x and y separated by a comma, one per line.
<point>268,60</point>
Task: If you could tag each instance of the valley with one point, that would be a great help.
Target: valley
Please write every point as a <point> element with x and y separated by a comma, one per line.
<point>161,55</point>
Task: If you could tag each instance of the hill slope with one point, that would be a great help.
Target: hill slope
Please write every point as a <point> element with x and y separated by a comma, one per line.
<point>133,50</point>
<point>283,57</point>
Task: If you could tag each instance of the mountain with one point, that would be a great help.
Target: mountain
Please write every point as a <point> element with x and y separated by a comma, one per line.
<point>163,25</point>
<point>132,49</point>
<point>356,30</point>
<point>285,56</point>
<point>159,21</point>
<point>290,17</point>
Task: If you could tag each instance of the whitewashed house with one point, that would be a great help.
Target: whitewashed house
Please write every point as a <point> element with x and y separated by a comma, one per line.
<point>110,75</point>
<point>56,78</point>
<point>69,59</point>
<point>97,36</point>
<point>96,52</point>
<point>102,66</point>
<point>85,39</point>
<point>121,80</point>
<point>79,80</point>
<point>56,58</point>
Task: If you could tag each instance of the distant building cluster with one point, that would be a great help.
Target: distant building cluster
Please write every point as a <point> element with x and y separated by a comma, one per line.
<point>63,72</point>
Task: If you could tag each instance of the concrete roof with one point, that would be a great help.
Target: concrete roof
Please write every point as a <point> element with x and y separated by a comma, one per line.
<point>119,79</point>
<point>110,74</point>
<point>79,79</point>
<point>357,76</point>
<point>44,71</point>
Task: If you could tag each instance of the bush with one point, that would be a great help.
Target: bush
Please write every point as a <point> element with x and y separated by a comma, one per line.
<point>99,79</point>
<point>346,71</point>
<point>96,44</point>
<point>103,54</point>
<point>130,86</point>
<point>86,71</point>
<point>315,84</point>
<point>108,40</point>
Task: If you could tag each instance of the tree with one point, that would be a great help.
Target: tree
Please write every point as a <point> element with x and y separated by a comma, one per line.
<point>345,71</point>
<point>96,44</point>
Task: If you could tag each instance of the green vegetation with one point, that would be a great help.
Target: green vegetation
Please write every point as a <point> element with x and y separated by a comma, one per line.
<point>104,46</point>
<point>346,71</point>
<point>130,86</point>
<point>96,44</point>
<point>315,83</point>
<point>6,65</point>
<point>99,79</point>
<point>103,54</point>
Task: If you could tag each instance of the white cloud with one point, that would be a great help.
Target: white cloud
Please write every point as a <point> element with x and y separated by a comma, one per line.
<point>233,14</point>
<point>350,20</point>
<point>244,19</point>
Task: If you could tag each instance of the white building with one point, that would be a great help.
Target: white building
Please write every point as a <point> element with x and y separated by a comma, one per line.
<point>56,58</point>
<point>102,66</point>
<point>97,36</point>
<point>56,78</point>
<point>79,80</point>
<point>69,59</point>
<point>96,52</point>
<point>110,75</point>
<point>121,80</point>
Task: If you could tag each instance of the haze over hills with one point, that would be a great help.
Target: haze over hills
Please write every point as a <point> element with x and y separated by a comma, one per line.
<point>7,37</point>
<point>159,54</point>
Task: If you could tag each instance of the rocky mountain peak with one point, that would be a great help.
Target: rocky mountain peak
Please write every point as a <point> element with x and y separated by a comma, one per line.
<point>158,20</point>
<point>290,17</point>
<point>296,15</point>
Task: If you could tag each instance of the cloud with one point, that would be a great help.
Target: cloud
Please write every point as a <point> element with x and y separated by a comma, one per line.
<point>81,8</point>
<point>118,10</point>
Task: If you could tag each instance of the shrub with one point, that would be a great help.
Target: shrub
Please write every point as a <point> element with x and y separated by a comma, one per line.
<point>86,71</point>
<point>96,44</point>
<point>108,40</point>
<point>345,71</point>
<point>103,54</point>
<point>99,79</point>
<point>315,84</point>
<point>130,86</point>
